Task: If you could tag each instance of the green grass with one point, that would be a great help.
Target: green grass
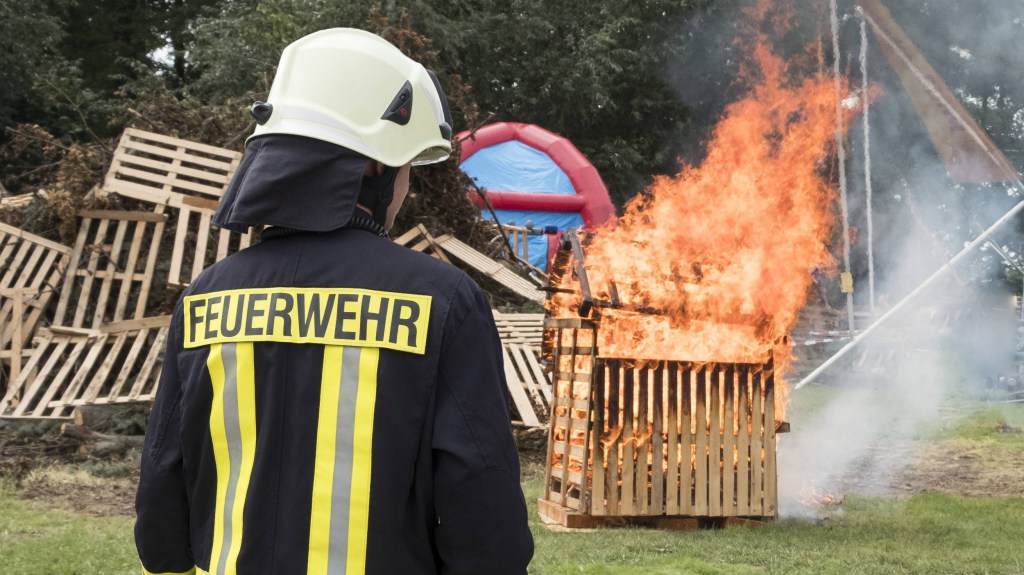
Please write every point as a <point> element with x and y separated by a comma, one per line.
<point>926,534</point>
<point>985,422</point>
<point>38,542</point>
<point>929,533</point>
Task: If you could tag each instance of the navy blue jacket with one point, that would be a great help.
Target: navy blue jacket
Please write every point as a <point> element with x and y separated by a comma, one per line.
<point>332,403</point>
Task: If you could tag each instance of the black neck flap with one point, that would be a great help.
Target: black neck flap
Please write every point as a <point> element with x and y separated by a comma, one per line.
<point>376,193</point>
<point>293,182</point>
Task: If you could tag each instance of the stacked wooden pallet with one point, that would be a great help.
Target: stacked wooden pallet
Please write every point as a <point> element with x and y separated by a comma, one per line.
<point>528,382</point>
<point>101,346</point>
<point>31,271</point>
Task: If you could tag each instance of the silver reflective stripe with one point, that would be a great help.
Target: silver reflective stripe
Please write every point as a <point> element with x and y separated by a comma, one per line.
<point>342,485</point>
<point>233,432</point>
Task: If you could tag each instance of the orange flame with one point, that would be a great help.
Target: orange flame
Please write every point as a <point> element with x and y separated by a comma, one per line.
<point>714,264</point>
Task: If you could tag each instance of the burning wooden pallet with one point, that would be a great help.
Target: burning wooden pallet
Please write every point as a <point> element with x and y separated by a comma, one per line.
<point>655,421</point>
<point>652,440</point>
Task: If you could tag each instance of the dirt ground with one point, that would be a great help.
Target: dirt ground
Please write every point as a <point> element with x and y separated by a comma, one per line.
<point>50,472</point>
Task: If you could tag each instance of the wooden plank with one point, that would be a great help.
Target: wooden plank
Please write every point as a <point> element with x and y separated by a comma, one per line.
<point>597,496</point>
<point>89,276</point>
<point>532,355</point>
<point>136,324</point>
<point>627,503</point>
<point>743,443</point>
<point>701,504</point>
<point>729,444</point>
<point>672,479</point>
<point>771,494</point>
<point>687,440</point>
<point>154,248</point>
<point>123,215</point>
<point>518,392</point>
<point>756,446</point>
<point>202,238</point>
<point>657,505</point>
<point>715,442</point>
<point>16,331</point>
<point>136,136</point>
<point>174,273</point>
<point>537,380</point>
<point>146,372</point>
<point>133,259</point>
<point>615,427</point>
<point>643,444</point>
<point>490,268</point>
<point>21,235</point>
<point>112,268</point>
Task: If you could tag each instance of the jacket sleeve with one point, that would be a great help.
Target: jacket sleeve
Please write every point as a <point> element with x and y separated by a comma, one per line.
<point>161,503</point>
<point>481,513</point>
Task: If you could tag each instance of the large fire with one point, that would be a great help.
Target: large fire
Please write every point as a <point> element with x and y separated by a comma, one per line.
<point>714,264</point>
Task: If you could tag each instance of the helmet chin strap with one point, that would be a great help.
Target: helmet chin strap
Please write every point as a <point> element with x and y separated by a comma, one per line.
<point>376,192</point>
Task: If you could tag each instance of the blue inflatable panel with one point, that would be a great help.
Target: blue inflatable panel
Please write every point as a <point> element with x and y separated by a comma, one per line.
<point>515,167</point>
<point>537,245</point>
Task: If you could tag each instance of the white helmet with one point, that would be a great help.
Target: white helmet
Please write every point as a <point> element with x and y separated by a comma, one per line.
<point>355,89</point>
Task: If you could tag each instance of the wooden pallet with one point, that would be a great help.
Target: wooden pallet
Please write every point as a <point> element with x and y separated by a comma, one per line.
<point>658,438</point>
<point>30,271</point>
<point>186,180</point>
<point>490,267</point>
<point>528,382</point>
<point>526,328</point>
<point>420,240</point>
<point>118,363</point>
<point>111,269</point>
<point>162,170</point>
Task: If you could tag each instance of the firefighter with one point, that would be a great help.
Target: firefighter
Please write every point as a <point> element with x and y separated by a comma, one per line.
<point>331,402</point>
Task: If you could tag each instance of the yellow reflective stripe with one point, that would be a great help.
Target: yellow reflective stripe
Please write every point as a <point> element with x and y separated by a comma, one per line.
<point>359,504</point>
<point>323,471</point>
<point>246,386</point>
<point>215,365</point>
<point>192,571</point>
<point>233,434</point>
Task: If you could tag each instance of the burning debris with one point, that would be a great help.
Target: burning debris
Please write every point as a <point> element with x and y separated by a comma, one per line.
<point>669,331</point>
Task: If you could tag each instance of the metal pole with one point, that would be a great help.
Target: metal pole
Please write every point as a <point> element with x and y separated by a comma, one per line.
<point>917,291</point>
<point>866,102</point>
<point>841,148</point>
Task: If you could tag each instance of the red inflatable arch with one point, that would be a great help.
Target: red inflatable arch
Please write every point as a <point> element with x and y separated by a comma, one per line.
<point>591,200</point>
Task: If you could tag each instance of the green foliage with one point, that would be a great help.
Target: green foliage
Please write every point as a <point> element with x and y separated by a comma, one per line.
<point>29,35</point>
